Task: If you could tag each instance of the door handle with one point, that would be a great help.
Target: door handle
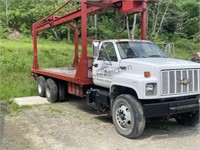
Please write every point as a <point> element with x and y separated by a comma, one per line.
<point>122,67</point>
<point>95,65</point>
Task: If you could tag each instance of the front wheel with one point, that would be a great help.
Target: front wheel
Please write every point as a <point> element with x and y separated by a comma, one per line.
<point>127,115</point>
<point>188,119</point>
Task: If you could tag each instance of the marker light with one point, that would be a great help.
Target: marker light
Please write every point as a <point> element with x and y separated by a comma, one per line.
<point>147,74</point>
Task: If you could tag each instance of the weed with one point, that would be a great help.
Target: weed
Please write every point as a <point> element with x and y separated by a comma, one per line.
<point>57,111</point>
<point>185,48</point>
<point>13,109</point>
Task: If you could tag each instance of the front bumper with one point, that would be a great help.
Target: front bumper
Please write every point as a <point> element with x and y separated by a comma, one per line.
<point>171,107</point>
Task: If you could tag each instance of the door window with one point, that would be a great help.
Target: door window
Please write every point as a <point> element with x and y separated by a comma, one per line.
<point>107,52</point>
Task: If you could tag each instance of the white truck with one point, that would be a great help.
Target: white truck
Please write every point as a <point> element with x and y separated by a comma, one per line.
<point>140,82</point>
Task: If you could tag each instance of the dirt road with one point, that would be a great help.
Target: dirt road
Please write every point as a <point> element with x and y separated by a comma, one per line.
<point>71,126</point>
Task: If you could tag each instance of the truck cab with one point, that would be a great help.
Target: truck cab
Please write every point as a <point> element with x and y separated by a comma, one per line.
<point>142,82</point>
<point>141,65</point>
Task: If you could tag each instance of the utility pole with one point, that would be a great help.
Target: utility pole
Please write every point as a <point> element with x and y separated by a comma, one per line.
<point>7,12</point>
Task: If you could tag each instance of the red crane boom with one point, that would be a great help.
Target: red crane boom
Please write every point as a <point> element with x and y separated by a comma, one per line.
<point>87,7</point>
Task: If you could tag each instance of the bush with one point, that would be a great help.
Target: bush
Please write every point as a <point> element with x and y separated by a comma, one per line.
<point>3,32</point>
<point>186,45</point>
<point>185,48</point>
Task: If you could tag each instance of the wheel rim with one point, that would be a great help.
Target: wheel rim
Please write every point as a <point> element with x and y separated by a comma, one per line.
<point>48,91</point>
<point>39,88</point>
<point>123,117</point>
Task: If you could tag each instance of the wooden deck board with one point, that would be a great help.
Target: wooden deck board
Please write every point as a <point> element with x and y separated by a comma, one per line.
<point>70,72</point>
<point>64,71</point>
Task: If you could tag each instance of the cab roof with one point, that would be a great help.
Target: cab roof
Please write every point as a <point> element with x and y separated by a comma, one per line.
<point>125,40</point>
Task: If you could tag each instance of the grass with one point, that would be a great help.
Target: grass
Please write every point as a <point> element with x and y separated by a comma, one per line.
<point>57,111</point>
<point>184,49</point>
<point>16,62</point>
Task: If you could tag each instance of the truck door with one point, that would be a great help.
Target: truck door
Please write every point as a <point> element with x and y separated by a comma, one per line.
<point>106,66</point>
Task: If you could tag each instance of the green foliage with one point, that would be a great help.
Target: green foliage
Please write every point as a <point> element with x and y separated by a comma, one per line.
<point>196,38</point>
<point>184,49</point>
<point>22,14</point>
<point>16,62</point>
<point>181,20</point>
<point>3,31</point>
<point>14,109</point>
<point>188,17</point>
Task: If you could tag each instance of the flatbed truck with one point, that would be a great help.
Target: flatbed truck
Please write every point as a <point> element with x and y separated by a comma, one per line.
<point>132,79</point>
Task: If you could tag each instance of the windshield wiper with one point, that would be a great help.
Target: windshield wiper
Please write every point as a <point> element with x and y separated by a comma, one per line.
<point>130,57</point>
<point>154,56</point>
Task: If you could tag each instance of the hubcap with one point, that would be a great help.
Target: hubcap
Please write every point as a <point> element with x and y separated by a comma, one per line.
<point>39,88</point>
<point>123,116</point>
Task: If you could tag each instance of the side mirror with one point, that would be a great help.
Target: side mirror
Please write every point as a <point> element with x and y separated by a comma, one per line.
<point>95,49</point>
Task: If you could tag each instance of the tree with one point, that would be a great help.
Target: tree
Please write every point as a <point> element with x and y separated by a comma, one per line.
<point>188,19</point>
<point>159,13</point>
<point>166,19</point>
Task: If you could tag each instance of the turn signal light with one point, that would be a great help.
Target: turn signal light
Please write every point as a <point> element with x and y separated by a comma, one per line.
<point>147,74</point>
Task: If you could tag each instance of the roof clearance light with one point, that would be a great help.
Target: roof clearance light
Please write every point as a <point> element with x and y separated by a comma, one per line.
<point>147,74</point>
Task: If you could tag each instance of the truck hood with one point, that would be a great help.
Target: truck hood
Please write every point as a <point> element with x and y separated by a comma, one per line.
<point>138,66</point>
<point>161,63</point>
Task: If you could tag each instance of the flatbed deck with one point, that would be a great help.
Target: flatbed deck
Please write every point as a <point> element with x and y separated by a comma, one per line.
<point>70,72</point>
<point>64,73</point>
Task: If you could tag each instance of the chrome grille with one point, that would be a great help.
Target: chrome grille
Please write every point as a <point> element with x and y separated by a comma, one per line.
<point>180,81</point>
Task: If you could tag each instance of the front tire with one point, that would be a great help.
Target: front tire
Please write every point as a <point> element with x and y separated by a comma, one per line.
<point>188,119</point>
<point>51,91</point>
<point>127,115</point>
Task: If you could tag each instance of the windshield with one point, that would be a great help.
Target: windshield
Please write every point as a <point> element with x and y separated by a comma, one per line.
<point>134,49</point>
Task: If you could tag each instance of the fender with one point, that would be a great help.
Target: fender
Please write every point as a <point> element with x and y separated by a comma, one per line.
<point>134,81</point>
<point>129,80</point>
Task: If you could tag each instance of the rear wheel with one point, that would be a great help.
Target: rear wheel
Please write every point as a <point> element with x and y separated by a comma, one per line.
<point>62,90</point>
<point>127,115</point>
<point>40,83</point>
<point>188,119</point>
<point>51,91</point>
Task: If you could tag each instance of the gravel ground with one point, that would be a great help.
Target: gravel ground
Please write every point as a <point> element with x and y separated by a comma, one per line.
<point>71,126</point>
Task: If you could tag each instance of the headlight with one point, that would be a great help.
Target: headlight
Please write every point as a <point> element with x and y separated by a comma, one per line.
<point>151,89</point>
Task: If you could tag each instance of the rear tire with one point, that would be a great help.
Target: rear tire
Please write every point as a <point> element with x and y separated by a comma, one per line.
<point>51,91</point>
<point>127,115</point>
<point>40,83</point>
<point>188,119</point>
<point>62,91</point>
